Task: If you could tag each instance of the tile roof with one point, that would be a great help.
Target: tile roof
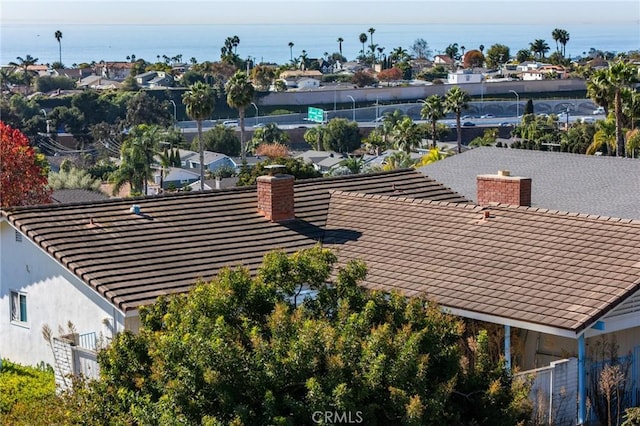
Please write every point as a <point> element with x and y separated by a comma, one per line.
<point>556,269</point>
<point>132,259</point>
<point>77,195</point>
<point>605,186</point>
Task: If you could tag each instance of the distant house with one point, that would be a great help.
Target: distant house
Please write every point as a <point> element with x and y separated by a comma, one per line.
<point>177,178</point>
<point>114,70</point>
<point>327,67</point>
<point>97,82</point>
<point>307,83</point>
<point>464,76</point>
<point>297,74</point>
<point>322,161</point>
<point>153,79</point>
<point>443,60</point>
<point>212,160</point>
<point>529,66</point>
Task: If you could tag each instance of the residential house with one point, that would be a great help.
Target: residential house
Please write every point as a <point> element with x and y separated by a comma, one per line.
<point>95,263</point>
<point>419,65</point>
<point>464,76</point>
<point>529,66</point>
<point>72,73</point>
<point>117,71</point>
<point>562,181</point>
<point>177,178</point>
<point>212,160</point>
<point>152,79</point>
<point>327,67</point>
<point>322,161</point>
<point>444,60</point>
<point>555,280</point>
<point>292,78</point>
<point>97,82</point>
<point>307,83</point>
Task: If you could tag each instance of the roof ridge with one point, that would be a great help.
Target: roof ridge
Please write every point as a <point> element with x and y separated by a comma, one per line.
<point>398,172</point>
<point>566,213</point>
<point>405,198</point>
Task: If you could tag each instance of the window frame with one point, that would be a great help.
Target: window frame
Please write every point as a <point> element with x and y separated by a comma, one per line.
<point>18,308</point>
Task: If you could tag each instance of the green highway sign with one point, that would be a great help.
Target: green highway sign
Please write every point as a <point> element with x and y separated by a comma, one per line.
<point>315,114</point>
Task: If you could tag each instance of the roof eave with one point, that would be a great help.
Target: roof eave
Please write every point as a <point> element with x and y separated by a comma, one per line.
<point>526,325</point>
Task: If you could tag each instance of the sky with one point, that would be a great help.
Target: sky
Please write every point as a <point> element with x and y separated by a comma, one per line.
<point>320,12</point>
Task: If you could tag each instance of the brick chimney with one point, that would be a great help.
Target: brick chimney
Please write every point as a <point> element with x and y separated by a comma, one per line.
<point>504,189</point>
<point>275,197</point>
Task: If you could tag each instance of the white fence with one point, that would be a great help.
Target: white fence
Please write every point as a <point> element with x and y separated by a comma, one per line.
<point>554,392</point>
<point>73,361</point>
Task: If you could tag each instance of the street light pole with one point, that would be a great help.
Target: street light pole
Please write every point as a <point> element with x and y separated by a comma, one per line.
<point>175,115</point>
<point>353,109</point>
<point>517,102</point>
<point>46,119</point>
<point>257,114</point>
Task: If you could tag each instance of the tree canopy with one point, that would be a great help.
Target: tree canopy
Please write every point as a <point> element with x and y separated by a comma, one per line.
<point>251,350</point>
<point>23,170</point>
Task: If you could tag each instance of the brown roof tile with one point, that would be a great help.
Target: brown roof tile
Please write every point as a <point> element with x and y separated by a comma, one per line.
<point>548,268</point>
<point>132,259</point>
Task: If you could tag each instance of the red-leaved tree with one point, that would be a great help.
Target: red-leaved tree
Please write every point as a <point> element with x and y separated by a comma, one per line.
<point>23,171</point>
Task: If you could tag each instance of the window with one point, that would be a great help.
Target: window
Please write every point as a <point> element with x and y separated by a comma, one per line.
<point>18,307</point>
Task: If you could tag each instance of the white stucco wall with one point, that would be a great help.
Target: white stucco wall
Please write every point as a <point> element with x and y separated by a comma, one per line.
<point>54,297</point>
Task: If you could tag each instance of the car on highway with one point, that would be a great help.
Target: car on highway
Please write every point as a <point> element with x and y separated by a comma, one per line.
<point>259,125</point>
<point>598,111</point>
<point>230,123</point>
<point>488,116</point>
<point>468,124</point>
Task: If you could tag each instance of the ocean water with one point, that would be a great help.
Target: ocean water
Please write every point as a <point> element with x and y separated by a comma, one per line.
<point>270,43</point>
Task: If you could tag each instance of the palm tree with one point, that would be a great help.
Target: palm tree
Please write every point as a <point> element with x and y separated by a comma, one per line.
<point>340,40</point>
<point>136,155</point>
<point>363,39</point>
<point>599,90</point>
<point>371,31</point>
<point>58,36</point>
<point>353,164</point>
<point>25,64</point>
<point>240,93</point>
<point>620,76</point>
<point>455,101</point>
<point>291,50</point>
<point>564,39</point>
<point>398,160</point>
<point>198,100</point>
<point>143,140</point>
<point>555,34</point>
<point>605,136</point>
<point>235,41</point>
<point>433,110</point>
<point>406,136</point>
<point>539,47</point>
